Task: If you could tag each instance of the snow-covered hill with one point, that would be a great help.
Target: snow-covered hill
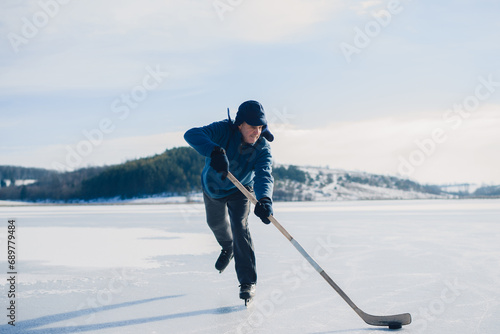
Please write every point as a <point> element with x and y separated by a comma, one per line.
<point>292,183</point>
<point>324,184</point>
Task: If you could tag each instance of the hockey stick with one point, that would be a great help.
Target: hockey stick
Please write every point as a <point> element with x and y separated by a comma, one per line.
<point>392,321</point>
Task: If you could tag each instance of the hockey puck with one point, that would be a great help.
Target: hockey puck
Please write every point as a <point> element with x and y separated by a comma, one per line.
<point>395,325</point>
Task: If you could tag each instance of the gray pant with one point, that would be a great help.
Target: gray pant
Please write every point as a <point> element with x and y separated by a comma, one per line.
<point>234,236</point>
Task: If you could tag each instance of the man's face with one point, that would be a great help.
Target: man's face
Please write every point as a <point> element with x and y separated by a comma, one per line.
<point>250,133</point>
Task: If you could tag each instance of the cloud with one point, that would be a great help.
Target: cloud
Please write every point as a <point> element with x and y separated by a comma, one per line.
<point>376,146</point>
<point>264,21</point>
<point>468,154</point>
<point>280,52</point>
<point>107,152</point>
<point>86,45</point>
<point>362,7</point>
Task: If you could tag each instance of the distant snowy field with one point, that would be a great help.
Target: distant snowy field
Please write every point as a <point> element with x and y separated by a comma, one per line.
<point>149,269</point>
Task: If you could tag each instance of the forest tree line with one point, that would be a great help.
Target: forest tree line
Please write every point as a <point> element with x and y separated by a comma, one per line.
<point>177,171</point>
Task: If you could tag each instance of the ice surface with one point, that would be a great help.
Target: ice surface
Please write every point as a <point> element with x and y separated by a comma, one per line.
<point>110,247</point>
<point>149,269</point>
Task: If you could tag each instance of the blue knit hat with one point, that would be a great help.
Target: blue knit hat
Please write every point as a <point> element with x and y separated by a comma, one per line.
<point>252,113</point>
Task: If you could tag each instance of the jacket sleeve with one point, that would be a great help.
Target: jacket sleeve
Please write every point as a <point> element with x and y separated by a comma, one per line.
<point>264,181</point>
<point>205,139</point>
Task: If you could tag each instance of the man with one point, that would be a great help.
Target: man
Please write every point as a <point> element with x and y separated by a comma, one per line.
<point>241,147</point>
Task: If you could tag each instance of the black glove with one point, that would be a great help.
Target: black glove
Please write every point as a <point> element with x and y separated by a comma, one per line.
<point>219,161</point>
<point>264,209</point>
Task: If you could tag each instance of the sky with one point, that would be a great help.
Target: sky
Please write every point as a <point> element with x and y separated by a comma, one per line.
<point>404,88</point>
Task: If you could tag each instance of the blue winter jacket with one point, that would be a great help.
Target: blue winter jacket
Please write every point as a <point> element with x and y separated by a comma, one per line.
<point>250,164</point>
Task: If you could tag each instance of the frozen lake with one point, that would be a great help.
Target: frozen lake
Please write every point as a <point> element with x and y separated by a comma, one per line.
<point>149,269</point>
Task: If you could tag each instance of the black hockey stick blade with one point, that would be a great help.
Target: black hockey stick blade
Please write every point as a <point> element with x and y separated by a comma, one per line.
<point>392,321</point>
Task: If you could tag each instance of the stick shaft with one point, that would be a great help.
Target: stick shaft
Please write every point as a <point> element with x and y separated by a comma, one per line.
<point>294,242</point>
<point>393,321</point>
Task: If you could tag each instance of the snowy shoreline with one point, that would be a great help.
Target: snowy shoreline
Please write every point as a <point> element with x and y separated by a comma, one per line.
<point>199,199</point>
